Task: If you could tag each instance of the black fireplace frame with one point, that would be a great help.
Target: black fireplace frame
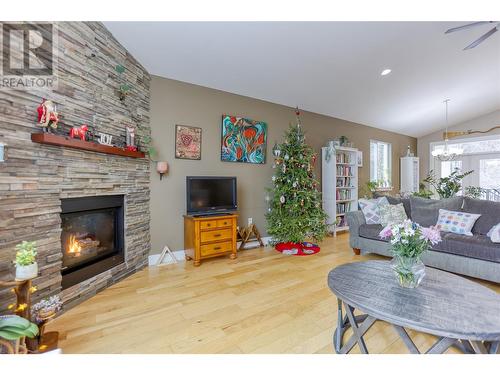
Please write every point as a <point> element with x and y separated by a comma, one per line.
<point>85,271</point>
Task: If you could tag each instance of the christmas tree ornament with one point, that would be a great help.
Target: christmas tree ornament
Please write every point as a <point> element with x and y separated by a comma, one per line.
<point>276,150</point>
<point>282,199</point>
<point>286,157</point>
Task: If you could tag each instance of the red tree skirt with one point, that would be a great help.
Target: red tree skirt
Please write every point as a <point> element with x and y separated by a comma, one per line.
<point>299,249</point>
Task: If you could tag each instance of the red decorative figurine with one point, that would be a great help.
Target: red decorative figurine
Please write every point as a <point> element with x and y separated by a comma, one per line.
<point>79,132</point>
<point>47,115</point>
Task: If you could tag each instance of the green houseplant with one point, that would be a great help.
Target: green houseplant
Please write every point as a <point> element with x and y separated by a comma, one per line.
<point>13,327</point>
<point>474,192</point>
<point>447,187</point>
<point>26,265</point>
<point>423,192</point>
<point>13,330</point>
<point>368,189</point>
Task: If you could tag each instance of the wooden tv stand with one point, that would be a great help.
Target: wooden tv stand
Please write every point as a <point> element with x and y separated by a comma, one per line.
<point>209,236</point>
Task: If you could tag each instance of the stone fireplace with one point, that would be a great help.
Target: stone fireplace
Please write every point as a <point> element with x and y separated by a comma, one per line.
<point>43,188</point>
<point>92,237</point>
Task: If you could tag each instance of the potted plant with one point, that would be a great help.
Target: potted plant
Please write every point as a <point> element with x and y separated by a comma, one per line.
<point>409,241</point>
<point>474,192</point>
<point>43,312</point>
<point>12,329</point>
<point>423,192</point>
<point>447,187</point>
<point>46,309</point>
<point>26,266</point>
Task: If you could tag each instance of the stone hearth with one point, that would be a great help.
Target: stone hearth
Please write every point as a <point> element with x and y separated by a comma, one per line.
<point>35,177</point>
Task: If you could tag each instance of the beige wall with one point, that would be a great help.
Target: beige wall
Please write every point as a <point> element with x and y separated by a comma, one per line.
<point>174,102</point>
<point>479,123</point>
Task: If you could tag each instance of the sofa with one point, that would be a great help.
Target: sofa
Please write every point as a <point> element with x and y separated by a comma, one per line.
<point>476,256</point>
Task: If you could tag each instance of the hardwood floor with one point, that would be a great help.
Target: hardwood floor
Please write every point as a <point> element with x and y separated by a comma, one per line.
<point>262,302</point>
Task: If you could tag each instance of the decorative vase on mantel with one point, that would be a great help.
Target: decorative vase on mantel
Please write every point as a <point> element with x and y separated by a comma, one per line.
<point>409,271</point>
<point>409,241</point>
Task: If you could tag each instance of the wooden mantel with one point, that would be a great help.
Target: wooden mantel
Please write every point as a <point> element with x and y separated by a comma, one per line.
<point>59,140</point>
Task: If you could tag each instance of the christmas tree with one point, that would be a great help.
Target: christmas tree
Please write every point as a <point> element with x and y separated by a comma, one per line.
<point>295,212</point>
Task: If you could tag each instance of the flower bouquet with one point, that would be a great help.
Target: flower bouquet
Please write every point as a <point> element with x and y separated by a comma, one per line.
<point>409,241</point>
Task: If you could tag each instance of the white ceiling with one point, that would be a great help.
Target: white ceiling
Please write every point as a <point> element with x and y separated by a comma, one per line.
<point>332,68</point>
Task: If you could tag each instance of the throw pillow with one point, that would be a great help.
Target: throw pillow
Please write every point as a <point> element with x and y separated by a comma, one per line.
<point>392,214</point>
<point>456,222</point>
<point>494,233</point>
<point>396,200</point>
<point>425,211</point>
<point>371,209</point>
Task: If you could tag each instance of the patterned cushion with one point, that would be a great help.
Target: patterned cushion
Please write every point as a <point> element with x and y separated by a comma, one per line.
<point>494,233</point>
<point>456,222</point>
<point>371,209</point>
<point>392,214</point>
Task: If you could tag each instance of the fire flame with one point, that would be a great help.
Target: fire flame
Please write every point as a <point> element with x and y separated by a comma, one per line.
<point>73,246</point>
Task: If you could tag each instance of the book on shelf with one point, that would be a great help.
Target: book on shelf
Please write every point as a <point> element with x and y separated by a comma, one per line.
<point>343,195</point>
<point>345,171</point>
<point>344,158</point>
<point>344,182</point>
<point>343,207</point>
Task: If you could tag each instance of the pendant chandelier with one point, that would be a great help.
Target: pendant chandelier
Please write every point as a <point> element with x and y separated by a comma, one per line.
<point>446,154</point>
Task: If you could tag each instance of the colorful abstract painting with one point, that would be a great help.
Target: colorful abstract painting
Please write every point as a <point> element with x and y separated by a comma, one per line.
<point>187,142</point>
<point>243,140</point>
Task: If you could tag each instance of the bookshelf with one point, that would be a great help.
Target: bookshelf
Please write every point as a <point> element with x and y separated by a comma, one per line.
<point>339,181</point>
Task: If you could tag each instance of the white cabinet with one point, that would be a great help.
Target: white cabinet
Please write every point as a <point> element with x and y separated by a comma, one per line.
<point>339,185</point>
<point>409,174</point>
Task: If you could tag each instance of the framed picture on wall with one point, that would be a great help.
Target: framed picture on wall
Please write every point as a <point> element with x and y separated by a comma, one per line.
<point>360,158</point>
<point>187,142</point>
<point>243,140</point>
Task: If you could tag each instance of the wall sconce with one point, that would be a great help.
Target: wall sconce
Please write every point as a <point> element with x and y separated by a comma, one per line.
<point>162,168</point>
<point>2,152</point>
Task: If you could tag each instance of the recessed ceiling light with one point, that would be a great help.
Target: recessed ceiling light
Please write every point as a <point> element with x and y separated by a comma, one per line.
<point>385,72</point>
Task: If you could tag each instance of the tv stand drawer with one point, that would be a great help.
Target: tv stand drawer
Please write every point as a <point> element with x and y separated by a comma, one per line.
<point>215,224</point>
<point>216,235</point>
<point>208,224</point>
<point>224,223</point>
<point>216,248</point>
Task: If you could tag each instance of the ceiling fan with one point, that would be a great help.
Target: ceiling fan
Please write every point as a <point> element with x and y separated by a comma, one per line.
<point>481,38</point>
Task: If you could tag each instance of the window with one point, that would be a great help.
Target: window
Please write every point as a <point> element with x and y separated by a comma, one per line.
<point>489,174</point>
<point>480,155</point>
<point>381,163</point>
<point>447,167</point>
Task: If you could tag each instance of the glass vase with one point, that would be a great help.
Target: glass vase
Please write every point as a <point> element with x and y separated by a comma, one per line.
<point>409,271</point>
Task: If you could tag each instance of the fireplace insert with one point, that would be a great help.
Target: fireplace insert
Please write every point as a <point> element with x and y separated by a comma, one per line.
<point>92,238</point>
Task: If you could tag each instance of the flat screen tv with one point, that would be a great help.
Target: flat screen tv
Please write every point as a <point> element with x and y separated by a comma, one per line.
<point>210,195</point>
